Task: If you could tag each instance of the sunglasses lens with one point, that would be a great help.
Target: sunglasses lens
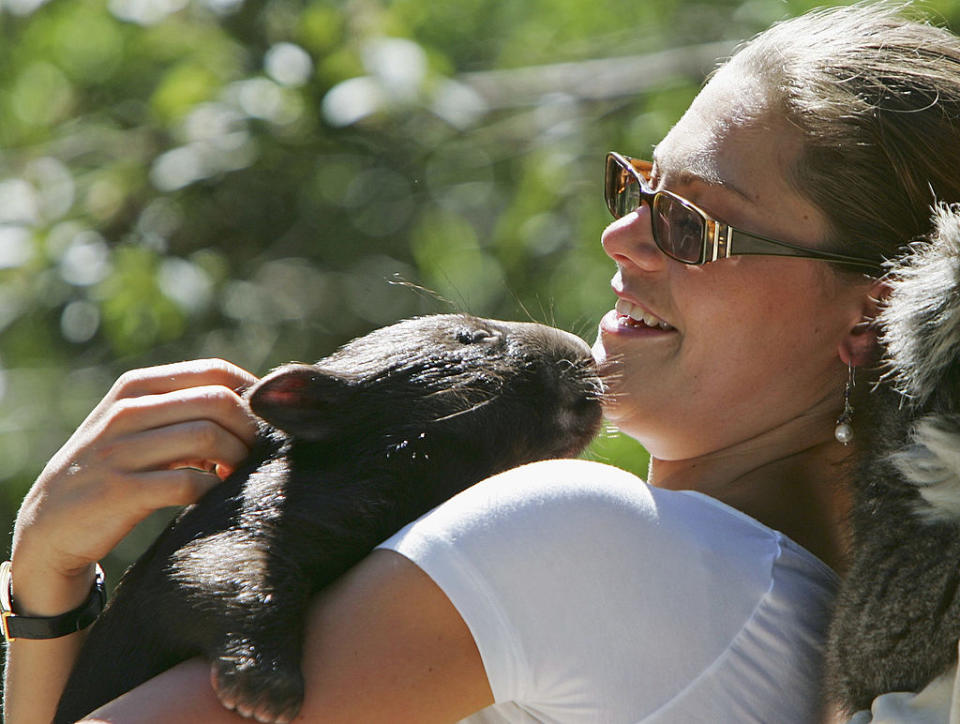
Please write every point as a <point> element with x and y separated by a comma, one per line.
<point>621,190</point>
<point>677,229</point>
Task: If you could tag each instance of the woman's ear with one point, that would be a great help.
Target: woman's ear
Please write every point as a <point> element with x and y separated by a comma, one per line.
<point>861,346</point>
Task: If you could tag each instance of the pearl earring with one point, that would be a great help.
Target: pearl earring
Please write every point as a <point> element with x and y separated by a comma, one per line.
<point>844,429</point>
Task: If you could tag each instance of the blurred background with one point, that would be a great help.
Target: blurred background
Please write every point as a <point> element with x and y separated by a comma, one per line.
<point>262,181</point>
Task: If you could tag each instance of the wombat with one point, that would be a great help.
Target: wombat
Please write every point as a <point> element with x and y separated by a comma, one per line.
<point>350,450</point>
<point>897,618</point>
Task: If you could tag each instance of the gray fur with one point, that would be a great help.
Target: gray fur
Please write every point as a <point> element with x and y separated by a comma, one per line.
<point>897,618</point>
<point>932,463</point>
<point>921,321</point>
<point>921,333</point>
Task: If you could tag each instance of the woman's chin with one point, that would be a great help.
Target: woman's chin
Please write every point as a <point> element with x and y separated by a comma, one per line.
<point>599,351</point>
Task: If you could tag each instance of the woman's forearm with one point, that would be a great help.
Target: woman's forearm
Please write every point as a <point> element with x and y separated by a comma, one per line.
<point>36,670</point>
<point>383,643</point>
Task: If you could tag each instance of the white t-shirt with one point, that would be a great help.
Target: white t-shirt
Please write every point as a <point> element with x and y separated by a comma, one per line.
<point>937,703</point>
<point>593,597</point>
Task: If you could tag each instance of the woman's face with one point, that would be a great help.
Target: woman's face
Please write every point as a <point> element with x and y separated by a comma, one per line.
<point>749,343</point>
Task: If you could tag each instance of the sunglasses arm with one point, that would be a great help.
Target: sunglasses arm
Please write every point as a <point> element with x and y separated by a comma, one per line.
<point>717,242</point>
<point>729,242</point>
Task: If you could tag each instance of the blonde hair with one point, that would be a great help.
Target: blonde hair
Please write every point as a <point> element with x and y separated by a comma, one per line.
<point>876,96</point>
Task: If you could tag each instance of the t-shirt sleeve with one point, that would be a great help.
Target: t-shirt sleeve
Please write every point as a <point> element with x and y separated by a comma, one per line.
<point>590,595</point>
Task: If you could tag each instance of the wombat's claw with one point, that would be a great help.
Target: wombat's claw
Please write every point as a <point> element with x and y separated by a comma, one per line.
<point>267,694</point>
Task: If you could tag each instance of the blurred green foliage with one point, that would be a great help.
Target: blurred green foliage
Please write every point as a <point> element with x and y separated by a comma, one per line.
<point>259,180</point>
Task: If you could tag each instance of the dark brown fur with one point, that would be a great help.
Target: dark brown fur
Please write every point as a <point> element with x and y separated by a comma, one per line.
<point>355,447</point>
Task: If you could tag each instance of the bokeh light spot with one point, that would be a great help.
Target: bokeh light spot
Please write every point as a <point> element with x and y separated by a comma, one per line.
<point>288,64</point>
<point>86,260</point>
<point>79,321</point>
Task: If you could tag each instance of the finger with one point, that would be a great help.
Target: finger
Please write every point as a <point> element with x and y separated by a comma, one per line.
<point>196,443</point>
<point>180,375</point>
<point>131,498</point>
<point>163,488</point>
<point>217,404</point>
<point>85,524</point>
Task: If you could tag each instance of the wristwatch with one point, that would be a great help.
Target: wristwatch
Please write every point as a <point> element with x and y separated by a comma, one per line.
<point>15,626</point>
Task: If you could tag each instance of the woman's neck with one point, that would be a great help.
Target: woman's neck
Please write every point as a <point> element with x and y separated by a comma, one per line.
<point>797,488</point>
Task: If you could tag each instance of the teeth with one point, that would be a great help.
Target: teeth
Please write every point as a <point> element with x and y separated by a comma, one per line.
<point>638,314</point>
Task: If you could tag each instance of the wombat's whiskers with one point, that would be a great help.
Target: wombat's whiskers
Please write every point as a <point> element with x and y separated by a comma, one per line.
<point>422,291</point>
<point>610,375</point>
<point>476,406</point>
<point>526,311</point>
<point>583,326</point>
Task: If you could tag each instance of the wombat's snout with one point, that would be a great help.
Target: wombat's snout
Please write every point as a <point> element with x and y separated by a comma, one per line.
<point>574,384</point>
<point>576,342</point>
<point>550,338</point>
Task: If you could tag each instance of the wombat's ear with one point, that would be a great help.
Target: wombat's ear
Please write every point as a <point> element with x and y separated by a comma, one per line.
<point>301,399</point>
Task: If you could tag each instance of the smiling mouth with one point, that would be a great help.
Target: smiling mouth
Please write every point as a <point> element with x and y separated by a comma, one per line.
<point>634,316</point>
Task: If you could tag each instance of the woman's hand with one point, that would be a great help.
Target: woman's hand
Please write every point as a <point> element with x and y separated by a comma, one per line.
<point>162,436</point>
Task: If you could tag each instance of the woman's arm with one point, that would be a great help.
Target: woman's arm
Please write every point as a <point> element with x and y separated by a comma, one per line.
<point>383,644</point>
<point>162,436</point>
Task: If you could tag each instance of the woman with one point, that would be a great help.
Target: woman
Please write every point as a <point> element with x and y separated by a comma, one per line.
<point>570,591</point>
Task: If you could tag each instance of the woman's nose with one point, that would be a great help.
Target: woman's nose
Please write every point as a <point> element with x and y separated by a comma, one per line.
<point>629,239</point>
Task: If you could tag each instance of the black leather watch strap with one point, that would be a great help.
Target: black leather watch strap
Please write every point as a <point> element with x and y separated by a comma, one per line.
<point>15,626</point>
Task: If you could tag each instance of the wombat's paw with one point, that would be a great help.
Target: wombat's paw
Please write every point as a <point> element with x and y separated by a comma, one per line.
<point>266,691</point>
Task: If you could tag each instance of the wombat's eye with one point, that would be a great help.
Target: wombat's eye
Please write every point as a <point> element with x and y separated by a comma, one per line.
<point>473,336</point>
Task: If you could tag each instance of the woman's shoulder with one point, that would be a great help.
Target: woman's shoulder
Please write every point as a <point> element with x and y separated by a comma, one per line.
<point>588,492</point>
<point>580,510</point>
<point>572,565</point>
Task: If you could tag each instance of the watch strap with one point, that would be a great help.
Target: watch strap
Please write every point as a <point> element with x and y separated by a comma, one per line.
<point>15,626</point>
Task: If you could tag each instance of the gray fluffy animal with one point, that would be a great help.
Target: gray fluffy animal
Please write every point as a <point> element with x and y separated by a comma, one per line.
<point>897,619</point>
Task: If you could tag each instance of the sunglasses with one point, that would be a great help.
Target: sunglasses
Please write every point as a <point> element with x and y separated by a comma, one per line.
<point>684,232</point>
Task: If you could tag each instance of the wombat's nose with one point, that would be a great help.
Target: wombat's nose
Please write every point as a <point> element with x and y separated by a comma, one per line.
<point>570,347</point>
<point>552,337</point>
<point>575,341</point>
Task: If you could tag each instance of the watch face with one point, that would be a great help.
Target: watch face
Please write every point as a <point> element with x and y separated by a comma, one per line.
<point>6,605</point>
